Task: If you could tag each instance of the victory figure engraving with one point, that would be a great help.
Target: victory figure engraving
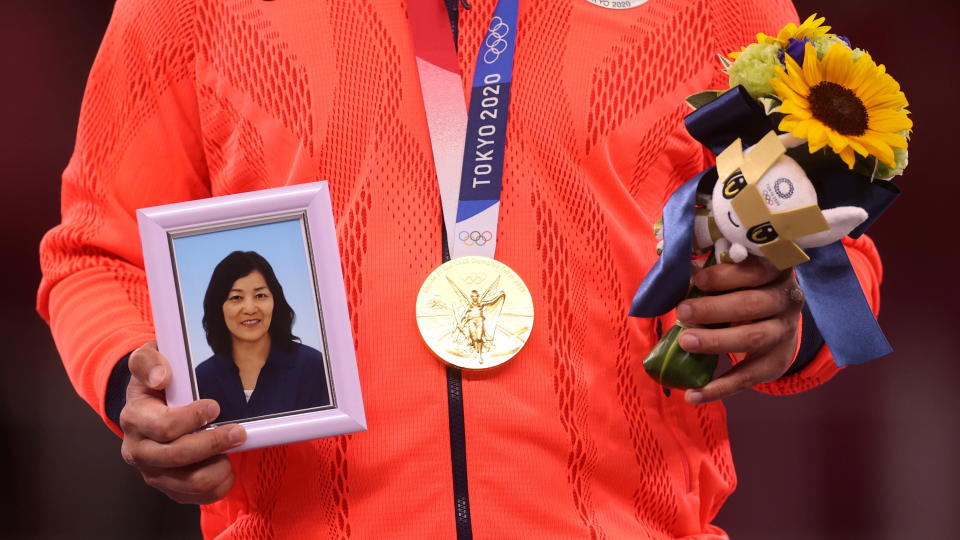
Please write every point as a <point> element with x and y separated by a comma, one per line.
<point>476,322</point>
<point>474,312</point>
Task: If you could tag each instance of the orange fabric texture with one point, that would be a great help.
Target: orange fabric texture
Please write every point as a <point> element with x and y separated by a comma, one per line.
<point>196,98</point>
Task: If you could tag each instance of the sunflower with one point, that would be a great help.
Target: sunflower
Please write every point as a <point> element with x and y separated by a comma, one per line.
<point>810,28</point>
<point>853,106</point>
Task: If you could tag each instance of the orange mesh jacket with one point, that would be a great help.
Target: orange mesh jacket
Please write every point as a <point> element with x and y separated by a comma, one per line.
<point>196,98</point>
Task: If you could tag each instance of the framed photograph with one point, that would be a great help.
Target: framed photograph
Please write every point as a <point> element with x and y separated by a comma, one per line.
<point>250,309</point>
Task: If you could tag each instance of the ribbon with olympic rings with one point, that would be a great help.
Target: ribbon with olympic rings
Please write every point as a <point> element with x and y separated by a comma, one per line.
<point>467,147</point>
<point>470,238</point>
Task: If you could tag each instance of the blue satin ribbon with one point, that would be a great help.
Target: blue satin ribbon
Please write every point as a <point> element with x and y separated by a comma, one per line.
<point>734,115</point>
<point>839,308</point>
<point>834,299</point>
<point>844,188</point>
<point>666,284</point>
<point>481,178</point>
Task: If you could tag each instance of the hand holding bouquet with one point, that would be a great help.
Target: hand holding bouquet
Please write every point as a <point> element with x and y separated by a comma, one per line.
<point>807,137</point>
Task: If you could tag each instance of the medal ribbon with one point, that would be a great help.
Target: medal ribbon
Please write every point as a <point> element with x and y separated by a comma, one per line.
<point>468,146</point>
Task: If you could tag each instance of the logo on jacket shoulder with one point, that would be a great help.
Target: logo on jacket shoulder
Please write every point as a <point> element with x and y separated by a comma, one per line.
<point>618,4</point>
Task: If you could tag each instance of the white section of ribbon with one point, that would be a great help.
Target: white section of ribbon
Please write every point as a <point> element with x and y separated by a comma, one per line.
<point>446,110</point>
<point>477,235</point>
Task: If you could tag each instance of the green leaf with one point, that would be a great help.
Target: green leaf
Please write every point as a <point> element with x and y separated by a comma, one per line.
<point>674,367</point>
<point>770,105</point>
<point>702,98</point>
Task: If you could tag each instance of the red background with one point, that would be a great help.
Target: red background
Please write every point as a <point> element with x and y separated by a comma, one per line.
<point>873,454</point>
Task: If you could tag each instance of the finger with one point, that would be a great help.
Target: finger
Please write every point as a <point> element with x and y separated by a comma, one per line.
<point>149,367</point>
<point>740,306</point>
<point>202,483</point>
<point>754,337</point>
<point>746,374</point>
<point>752,272</point>
<point>188,449</point>
<point>152,419</point>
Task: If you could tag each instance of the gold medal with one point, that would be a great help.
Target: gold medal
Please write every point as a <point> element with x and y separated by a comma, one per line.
<point>474,312</point>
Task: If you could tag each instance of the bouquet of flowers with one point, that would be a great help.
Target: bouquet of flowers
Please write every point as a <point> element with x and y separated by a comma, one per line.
<point>807,137</point>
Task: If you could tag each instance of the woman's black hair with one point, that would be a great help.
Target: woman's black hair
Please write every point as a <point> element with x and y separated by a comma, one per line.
<point>233,267</point>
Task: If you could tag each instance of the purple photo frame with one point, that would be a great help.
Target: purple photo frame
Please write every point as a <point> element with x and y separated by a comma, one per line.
<point>160,225</point>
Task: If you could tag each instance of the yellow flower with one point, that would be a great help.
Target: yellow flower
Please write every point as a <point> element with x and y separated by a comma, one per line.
<point>809,28</point>
<point>853,106</point>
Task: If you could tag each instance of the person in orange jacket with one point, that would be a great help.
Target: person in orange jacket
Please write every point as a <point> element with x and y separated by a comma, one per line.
<point>196,98</point>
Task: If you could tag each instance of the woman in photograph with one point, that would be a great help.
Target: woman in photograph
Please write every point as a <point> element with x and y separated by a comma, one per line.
<point>258,367</point>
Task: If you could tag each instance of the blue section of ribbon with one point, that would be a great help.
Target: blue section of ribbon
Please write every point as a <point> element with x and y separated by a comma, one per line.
<point>839,309</point>
<point>844,188</point>
<point>835,300</point>
<point>667,283</point>
<point>482,176</point>
<point>731,116</point>
<point>495,59</point>
<point>468,209</point>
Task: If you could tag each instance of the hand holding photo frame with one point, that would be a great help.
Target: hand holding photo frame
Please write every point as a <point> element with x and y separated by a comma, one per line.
<point>250,310</point>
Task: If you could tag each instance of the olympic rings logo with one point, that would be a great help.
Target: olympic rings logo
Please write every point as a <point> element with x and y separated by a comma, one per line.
<point>473,279</point>
<point>495,44</point>
<point>471,238</point>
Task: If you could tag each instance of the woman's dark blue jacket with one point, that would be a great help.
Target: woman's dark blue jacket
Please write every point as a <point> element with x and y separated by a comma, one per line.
<point>289,381</point>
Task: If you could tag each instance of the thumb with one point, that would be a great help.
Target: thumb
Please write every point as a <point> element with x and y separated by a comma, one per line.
<point>150,368</point>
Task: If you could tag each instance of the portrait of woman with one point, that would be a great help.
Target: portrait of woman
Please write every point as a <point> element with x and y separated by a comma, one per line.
<point>258,366</point>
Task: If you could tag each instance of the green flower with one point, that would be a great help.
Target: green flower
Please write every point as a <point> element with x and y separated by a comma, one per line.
<point>886,172</point>
<point>823,44</point>
<point>754,68</point>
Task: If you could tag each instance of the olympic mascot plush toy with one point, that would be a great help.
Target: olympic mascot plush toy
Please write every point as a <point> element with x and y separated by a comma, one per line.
<point>735,222</point>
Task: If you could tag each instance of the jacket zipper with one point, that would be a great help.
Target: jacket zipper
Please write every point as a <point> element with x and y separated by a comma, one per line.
<point>458,441</point>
